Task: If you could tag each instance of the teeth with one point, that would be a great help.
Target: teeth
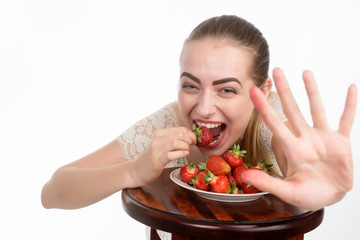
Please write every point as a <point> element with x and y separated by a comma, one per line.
<point>208,125</point>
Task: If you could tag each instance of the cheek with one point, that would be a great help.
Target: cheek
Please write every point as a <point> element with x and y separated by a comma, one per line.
<point>239,119</point>
<point>185,106</point>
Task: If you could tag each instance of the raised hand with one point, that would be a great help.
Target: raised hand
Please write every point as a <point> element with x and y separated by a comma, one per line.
<point>318,161</point>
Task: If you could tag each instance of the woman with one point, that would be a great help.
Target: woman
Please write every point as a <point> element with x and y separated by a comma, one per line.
<point>223,84</point>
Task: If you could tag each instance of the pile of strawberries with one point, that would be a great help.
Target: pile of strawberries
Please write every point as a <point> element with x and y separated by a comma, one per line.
<point>222,174</point>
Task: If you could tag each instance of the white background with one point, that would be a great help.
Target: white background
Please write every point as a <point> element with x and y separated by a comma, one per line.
<point>75,74</point>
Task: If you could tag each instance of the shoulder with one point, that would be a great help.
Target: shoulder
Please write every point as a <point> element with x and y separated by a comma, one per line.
<point>274,98</point>
<point>136,138</point>
<point>165,117</point>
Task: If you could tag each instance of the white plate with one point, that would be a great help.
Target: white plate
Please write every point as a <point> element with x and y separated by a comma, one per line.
<point>222,197</point>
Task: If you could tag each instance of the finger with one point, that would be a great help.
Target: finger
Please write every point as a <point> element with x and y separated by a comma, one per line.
<point>169,142</point>
<point>177,144</point>
<point>179,133</point>
<point>174,155</point>
<point>316,106</point>
<point>347,118</point>
<point>288,102</point>
<point>266,183</point>
<point>185,134</point>
<point>192,139</point>
<point>269,116</point>
<point>173,149</point>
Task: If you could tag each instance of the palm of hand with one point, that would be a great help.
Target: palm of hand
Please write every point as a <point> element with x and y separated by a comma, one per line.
<point>319,169</point>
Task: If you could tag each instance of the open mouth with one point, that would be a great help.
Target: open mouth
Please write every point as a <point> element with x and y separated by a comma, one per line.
<point>217,130</point>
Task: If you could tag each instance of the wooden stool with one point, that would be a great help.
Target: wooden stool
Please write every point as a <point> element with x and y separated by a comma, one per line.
<point>164,205</point>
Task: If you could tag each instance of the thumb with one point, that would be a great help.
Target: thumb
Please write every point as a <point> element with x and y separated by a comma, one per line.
<point>266,183</point>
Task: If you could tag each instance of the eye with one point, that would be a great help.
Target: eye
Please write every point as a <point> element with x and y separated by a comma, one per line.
<point>228,91</point>
<point>189,87</point>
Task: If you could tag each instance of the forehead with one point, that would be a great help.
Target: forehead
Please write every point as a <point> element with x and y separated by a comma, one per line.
<point>214,58</point>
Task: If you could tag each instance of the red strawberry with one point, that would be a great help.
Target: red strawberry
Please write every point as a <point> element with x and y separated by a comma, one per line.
<point>199,182</point>
<point>188,171</point>
<point>262,166</point>
<point>218,166</point>
<point>231,177</point>
<point>237,172</point>
<point>234,157</point>
<point>248,189</point>
<point>220,184</point>
<point>203,136</point>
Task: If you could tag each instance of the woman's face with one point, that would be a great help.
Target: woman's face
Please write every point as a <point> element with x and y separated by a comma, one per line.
<point>214,91</point>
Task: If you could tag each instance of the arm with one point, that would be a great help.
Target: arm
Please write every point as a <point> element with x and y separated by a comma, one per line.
<point>106,171</point>
<point>317,161</point>
<point>89,179</point>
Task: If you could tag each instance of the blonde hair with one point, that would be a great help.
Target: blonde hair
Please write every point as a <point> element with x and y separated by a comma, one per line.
<point>243,34</point>
<point>251,141</point>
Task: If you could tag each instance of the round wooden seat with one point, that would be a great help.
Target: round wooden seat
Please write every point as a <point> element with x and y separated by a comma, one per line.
<point>165,206</point>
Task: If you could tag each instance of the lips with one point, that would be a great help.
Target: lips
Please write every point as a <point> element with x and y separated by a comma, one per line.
<point>216,128</point>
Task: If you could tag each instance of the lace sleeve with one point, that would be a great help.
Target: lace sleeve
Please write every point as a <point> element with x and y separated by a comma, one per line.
<point>266,134</point>
<point>136,139</point>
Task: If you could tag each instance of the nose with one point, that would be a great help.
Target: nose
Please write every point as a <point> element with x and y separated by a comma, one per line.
<point>206,107</point>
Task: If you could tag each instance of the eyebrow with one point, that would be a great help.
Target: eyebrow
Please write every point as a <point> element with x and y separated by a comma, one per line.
<point>225,80</point>
<point>216,82</point>
<point>192,77</point>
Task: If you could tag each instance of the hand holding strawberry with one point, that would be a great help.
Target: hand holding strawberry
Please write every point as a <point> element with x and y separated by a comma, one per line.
<point>166,145</point>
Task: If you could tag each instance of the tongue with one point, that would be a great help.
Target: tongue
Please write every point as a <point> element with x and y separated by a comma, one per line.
<point>217,130</point>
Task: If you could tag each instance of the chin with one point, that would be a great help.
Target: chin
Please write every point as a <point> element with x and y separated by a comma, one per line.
<point>212,151</point>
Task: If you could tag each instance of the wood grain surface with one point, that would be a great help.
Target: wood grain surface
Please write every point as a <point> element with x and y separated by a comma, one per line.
<point>166,206</point>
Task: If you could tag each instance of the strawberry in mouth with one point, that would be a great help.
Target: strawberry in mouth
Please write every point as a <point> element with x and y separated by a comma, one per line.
<point>217,130</point>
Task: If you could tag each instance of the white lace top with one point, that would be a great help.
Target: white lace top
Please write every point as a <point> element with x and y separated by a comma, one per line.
<point>135,140</point>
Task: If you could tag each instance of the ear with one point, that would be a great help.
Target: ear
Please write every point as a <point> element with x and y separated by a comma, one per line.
<point>266,87</point>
